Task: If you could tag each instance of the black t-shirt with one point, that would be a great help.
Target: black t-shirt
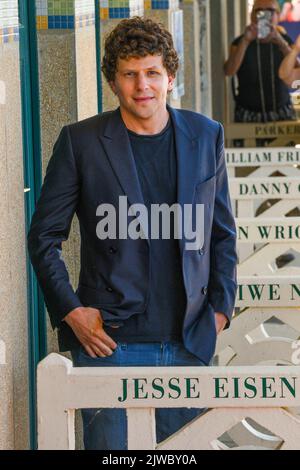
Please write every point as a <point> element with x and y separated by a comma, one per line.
<point>156,163</point>
<point>249,95</point>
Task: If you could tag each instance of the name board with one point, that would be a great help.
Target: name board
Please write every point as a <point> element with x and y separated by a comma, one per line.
<point>265,188</point>
<point>212,388</point>
<point>279,291</point>
<point>251,157</point>
<point>180,386</point>
<point>288,129</point>
<point>268,230</point>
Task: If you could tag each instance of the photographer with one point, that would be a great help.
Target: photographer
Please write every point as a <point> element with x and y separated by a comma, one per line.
<point>255,57</point>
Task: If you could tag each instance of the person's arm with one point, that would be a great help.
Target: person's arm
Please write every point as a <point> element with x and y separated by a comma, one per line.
<point>277,38</point>
<point>222,285</point>
<point>50,226</point>
<point>289,69</point>
<point>237,52</point>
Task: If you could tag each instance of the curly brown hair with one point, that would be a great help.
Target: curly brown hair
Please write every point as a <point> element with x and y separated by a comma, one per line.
<point>138,37</point>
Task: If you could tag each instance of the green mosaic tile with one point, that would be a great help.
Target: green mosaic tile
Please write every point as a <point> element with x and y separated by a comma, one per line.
<point>61,7</point>
<point>119,3</point>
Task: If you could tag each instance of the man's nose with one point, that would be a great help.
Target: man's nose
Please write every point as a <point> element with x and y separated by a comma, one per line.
<point>142,81</point>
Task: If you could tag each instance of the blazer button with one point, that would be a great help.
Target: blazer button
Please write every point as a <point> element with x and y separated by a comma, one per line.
<point>201,252</point>
<point>112,250</point>
<point>109,289</point>
<point>204,290</point>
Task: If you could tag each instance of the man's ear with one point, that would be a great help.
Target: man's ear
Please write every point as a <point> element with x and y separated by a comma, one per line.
<point>170,83</point>
<point>113,87</point>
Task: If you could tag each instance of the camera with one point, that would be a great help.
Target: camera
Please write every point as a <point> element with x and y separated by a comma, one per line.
<point>264,24</point>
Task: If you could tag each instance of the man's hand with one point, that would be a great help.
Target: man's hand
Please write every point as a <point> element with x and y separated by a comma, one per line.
<point>297,45</point>
<point>87,324</point>
<point>250,33</point>
<point>221,321</point>
<point>276,38</point>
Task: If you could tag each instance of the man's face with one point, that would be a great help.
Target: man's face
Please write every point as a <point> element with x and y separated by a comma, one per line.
<point>141,85</point>
<point>269,5</point>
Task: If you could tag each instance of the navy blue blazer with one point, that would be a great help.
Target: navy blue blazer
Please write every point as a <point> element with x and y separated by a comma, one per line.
<point>91,164</point>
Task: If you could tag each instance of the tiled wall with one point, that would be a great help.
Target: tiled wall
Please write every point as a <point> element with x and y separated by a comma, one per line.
<point>112,9</point>
<point>67,14</point>
<point>160,4</point>
<point>9,21</point>
<point>64,14</point>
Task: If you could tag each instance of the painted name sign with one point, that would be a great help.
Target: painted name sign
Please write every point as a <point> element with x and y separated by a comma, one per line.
<point>221,388</point>
<point>265,188</point>
<point>251,131</point>
<point>282,291</point>
<point>262,230</point>
<point>281,156</point>
<point>276,130</point>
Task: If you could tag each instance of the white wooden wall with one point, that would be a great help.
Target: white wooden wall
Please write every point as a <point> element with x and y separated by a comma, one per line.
<point>269,267</point>
<point>257,419</point>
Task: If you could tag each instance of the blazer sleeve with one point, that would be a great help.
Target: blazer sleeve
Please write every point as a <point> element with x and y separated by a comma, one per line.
<point>50,226</point>
<point>222,286</point>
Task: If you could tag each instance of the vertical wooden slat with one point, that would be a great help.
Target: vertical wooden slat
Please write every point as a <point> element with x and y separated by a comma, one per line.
<point>141,428</point>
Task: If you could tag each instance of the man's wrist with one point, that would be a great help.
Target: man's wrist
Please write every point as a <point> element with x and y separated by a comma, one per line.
<point>284,45</point>
<point>295,50</point>
<point>71,315</point>
<point>245,41</point>
<point>223,316</point>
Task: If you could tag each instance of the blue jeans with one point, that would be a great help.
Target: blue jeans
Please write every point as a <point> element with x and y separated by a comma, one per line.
<point>106,429</point>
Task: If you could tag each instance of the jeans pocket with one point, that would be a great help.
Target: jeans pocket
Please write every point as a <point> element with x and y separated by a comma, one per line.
<point>84,353</point>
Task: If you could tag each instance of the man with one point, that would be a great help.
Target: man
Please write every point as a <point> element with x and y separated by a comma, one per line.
<point>140,301</point>
<point>262,96</point>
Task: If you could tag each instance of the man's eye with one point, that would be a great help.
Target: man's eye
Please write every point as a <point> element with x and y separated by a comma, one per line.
<point>153,72</point>
<point>129,74</point>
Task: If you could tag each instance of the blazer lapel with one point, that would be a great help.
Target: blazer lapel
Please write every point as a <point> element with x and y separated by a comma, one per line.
<point>187,151</point>
<point>118,150</point>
